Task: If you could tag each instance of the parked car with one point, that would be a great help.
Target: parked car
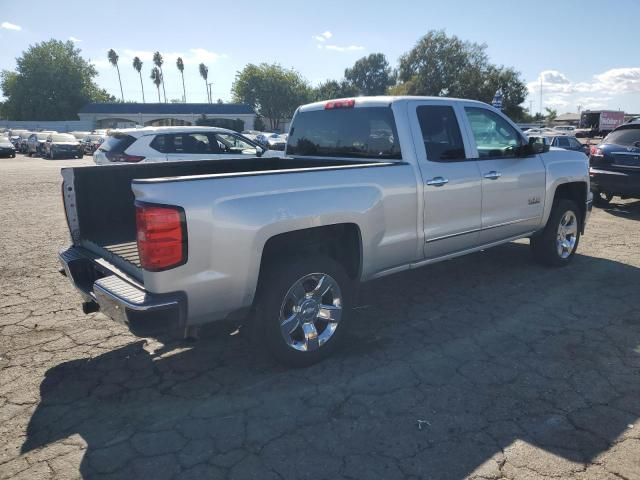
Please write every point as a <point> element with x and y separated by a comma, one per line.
<point>62,145</point>
<point>368,187</point>
<point>277,143</point>
<point>22,146</point>
<point>14,140</point>
<point>615,165</point>
<point>568,142</point>
<point>35,143</point>
<point>91,143</point>
<point>7,149</point>
<point>564,129</point>
<point>539,131</point>
<point>172,144</point>
<point>80,135</point>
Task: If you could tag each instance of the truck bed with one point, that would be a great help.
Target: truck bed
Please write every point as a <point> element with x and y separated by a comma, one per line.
<point>105,205</point>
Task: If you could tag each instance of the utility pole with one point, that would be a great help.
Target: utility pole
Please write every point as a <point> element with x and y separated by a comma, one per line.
<point>531,107</point>
<point>209,85</point>
<point>540,94</point>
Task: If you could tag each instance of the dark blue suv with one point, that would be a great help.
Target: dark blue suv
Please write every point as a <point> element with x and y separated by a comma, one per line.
<point>615,165</point>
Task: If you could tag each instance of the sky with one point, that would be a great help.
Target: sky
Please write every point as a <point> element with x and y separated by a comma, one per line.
<point>585,52</point>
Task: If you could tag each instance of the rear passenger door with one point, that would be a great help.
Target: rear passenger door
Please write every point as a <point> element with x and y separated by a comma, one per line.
<point>513,186</point>
<point>452,185</point>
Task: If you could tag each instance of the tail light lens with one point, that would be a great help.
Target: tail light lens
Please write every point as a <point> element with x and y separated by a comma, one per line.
<point>162,236</point>
<point>333,104</point>
<point>596,152</point>
<point>123,157</point>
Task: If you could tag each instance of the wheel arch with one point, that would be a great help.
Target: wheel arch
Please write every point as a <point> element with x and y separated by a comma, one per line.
<point>577,192</point>
<point>341,241</point>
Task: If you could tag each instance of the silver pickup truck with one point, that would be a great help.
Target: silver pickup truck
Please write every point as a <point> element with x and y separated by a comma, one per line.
<point>368,187</point>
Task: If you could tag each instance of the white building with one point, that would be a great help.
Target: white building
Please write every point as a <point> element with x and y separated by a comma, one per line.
<point>122,115</point>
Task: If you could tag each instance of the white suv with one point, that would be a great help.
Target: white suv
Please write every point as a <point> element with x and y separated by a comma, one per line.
<point>175,144</point>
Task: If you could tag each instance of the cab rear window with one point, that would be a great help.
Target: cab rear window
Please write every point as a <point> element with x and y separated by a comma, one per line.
<point>365,132</point>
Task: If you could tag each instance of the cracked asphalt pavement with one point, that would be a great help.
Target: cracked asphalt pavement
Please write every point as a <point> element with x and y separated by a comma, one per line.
<point>486,367</point>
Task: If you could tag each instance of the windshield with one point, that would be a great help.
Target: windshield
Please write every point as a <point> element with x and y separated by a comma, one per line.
<point>624,136</point>
<point>61,137</point>
<point>42,136</point>
<point>365,132</point>
<point>93,137</point>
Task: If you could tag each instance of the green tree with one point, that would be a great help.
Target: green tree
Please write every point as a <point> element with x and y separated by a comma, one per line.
<point>137,65</point>
<point>551,114</point>
<point>204,73</point>
<point>156,76</point>
<point>441,65</point>
<point>51,82</point>
<point>371,75</point>
<point>334,89</point>
<point>113,60</point>
<point>273,91</point>
<point>180,65</point>
<point>158,61</point>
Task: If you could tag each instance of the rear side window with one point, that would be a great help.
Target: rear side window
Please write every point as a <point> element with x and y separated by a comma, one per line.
<point>365,132</point>
<point>440,133</point>
<point>117,143</point>
<point>625,136</point>
<point>562,142</point>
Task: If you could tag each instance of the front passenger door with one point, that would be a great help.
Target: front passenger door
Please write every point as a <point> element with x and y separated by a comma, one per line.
<point>513,186</point>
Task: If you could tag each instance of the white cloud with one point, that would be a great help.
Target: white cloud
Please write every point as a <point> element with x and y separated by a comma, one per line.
<point>10,26</point>
<point>74,39</point>
<point>348,48</point>
<point>324,36</point>
<point>613,81</point>
<point>557,101</point>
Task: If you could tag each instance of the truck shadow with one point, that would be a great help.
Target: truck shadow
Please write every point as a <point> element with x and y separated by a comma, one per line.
<point>491,353</point>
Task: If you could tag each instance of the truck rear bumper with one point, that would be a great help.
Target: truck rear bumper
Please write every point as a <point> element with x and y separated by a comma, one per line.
<point>120,298</point>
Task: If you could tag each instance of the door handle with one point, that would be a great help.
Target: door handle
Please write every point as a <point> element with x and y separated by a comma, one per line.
<point>437,181</point>
<point>492,175</point>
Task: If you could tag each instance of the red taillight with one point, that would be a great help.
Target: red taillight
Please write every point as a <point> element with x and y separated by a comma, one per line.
<point>162,238</point>
<point>123,157</point>
<point>350,103</point>
<point>595,151</point>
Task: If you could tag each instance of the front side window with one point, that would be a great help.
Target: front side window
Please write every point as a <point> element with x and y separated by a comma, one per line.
<point>440,133</point>
<point>234,144</point>
<point>360,132</point>
<point>494,136</point>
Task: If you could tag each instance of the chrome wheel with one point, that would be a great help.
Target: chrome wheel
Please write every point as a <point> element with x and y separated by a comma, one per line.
<point>567,235</point>
<point>310,312</point>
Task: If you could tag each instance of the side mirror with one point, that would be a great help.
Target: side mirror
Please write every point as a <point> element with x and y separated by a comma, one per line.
<point>538,145</point>
<point>259,151</point>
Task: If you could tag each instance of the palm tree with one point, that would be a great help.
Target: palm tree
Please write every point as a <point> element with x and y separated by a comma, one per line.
<point>156,76</point>
<point>180,65</point>
<point>113,60</point>
<point>157,59</point>
<point>137,65</point>
<point>204,73</point>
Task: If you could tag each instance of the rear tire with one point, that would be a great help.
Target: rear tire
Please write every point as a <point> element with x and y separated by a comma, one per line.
<point>556,245</point>
<point>293,311</point>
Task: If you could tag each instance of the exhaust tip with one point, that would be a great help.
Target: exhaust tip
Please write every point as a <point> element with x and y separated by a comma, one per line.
<point>90,307</point>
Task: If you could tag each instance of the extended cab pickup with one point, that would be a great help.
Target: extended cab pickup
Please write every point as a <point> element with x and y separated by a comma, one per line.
<point>368,187</point>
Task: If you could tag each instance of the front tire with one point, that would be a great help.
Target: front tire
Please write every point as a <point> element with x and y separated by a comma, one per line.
<point>303,308</point>
<point>556,245</point>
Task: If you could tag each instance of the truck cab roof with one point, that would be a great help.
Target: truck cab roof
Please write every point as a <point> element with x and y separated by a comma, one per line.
<point>385,100</point>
